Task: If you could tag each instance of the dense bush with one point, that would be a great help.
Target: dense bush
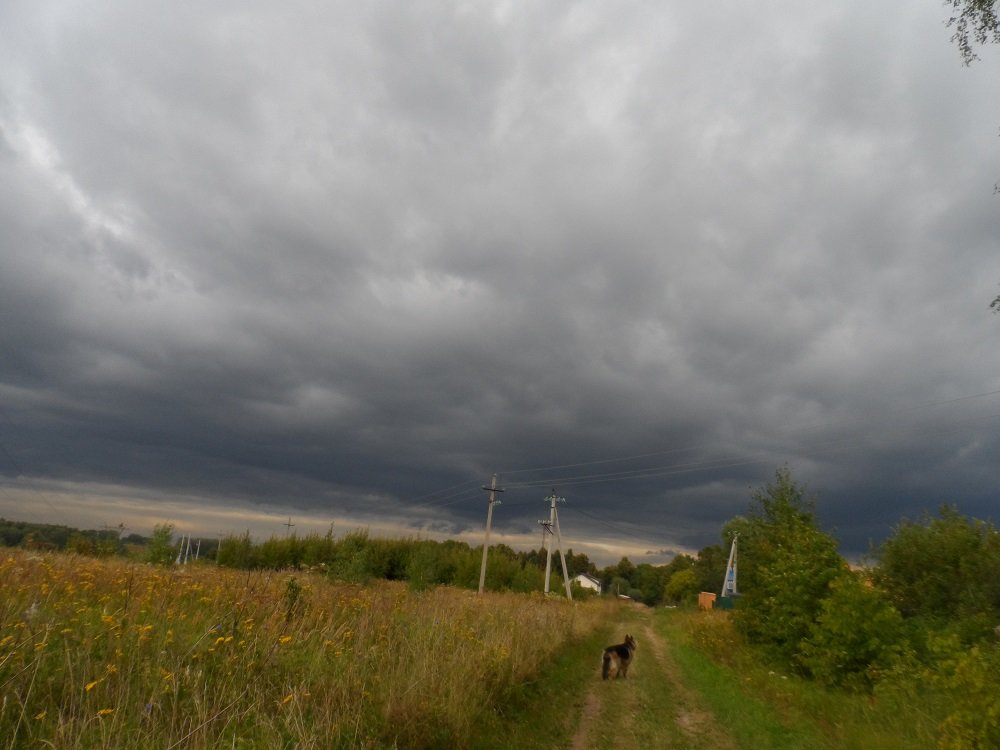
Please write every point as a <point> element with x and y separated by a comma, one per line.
<point>856,636</point>
<point>786,568</point>
<point>972,678</point>
<point>943,569</point>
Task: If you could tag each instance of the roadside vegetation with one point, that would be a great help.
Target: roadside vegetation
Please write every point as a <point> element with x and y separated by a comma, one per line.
<point>902,653</point>
<point>107,653</point>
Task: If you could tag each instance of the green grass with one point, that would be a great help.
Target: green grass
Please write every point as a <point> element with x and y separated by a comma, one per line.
<point>542,712</point>
<point>637,711</point>
<point>764,708</point>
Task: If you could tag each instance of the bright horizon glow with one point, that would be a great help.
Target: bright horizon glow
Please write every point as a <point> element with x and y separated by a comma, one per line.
<point>94,506</point>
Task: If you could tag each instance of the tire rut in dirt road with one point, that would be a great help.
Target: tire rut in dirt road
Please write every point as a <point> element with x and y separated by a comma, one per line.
<point>591,707</point>
<point>697,723</point>
<point>653,708</point>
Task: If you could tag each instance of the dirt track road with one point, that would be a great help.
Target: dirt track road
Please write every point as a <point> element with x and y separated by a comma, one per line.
<point>653,708</point>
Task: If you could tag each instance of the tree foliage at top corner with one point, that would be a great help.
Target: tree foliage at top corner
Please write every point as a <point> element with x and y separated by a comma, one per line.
<point>974,22</point>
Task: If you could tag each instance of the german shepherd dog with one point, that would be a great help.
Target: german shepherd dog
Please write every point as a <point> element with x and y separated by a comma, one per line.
<point>617,658</point>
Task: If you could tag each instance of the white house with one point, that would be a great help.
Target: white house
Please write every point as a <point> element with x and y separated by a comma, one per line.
<point>588,582</point>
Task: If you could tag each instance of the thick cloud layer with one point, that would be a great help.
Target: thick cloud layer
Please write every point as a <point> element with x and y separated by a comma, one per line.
<point>353,259</point>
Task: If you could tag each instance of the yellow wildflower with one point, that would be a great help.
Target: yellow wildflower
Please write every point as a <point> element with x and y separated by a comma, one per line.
<point>90,685</point>
<point>284,639</point>
<point>40,715</point>
<point>105,711</point>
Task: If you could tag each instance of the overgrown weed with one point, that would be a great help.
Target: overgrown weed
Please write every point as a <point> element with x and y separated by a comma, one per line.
<point>107,653</point>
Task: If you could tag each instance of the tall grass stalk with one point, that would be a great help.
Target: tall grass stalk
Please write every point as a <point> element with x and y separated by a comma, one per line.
<point>115,654</point>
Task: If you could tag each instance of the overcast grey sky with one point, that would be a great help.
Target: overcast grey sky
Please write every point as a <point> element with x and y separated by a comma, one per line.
<point>343,261</point>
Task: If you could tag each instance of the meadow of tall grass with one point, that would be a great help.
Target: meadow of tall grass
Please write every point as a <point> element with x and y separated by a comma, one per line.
<point>113,654</point>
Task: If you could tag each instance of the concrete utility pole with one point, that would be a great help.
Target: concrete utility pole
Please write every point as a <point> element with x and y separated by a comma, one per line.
<point>562,556</point>
<point>493,490</point>
<point>548,526</point>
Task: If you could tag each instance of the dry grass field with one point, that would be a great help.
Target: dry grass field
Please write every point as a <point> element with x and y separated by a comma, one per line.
<point>114,654</point>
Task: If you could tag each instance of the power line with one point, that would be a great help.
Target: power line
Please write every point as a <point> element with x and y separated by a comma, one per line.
<point>725,462</point>
<point>464,485</point>
<point>613,525</point>
<point>703,446</point>
<point>601,461</point>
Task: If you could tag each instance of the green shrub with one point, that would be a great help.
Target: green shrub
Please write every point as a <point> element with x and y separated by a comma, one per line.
<point>856,636</point>
<point>943,567</point>
<point>972,677</point>
<point>161,549</point>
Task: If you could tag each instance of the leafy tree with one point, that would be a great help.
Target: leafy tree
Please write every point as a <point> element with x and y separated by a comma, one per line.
<point>682,586</point>
<point>786,566</point>
<point>974,22</point>
<point>943,568</point>
<point>623,570</point>
<point>236,551</point>
<point>577,563</point>
<point>650,580</point>
<point>711,567</point>
<point>678,563</point>
<point>161,549</point>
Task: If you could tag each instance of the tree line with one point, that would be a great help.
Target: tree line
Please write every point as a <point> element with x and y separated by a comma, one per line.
<point>356,556</point>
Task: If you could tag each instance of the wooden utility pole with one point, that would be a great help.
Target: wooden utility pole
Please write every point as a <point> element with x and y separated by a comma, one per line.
<point>493,490</point>
<point>288,526</point>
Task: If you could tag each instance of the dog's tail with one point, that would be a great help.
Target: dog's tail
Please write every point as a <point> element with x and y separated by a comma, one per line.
<point>606,666</point>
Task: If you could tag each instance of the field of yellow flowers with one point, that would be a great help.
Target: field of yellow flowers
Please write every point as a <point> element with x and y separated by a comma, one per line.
<point>118,654</point>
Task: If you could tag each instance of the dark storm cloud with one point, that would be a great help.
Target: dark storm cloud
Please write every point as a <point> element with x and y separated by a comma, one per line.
<point>358,259</point>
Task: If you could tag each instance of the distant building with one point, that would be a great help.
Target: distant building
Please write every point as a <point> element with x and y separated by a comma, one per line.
<point>588,582</point>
